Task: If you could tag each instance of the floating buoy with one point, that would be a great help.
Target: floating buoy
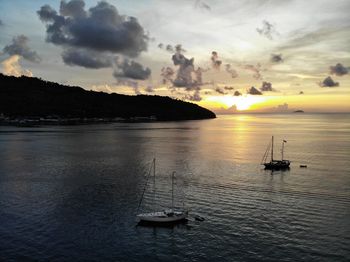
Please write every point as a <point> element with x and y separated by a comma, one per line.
<point>199,218</point>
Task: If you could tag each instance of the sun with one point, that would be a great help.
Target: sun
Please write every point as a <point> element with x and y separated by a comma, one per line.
<point>241,102</point>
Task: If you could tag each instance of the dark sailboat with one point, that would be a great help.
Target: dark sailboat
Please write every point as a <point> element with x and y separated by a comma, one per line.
<point>275,164</point>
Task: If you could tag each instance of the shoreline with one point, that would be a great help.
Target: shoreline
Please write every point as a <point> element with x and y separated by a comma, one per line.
<point>42,121</point>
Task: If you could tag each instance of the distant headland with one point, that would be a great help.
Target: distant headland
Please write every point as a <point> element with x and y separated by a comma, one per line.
<point>32,99</point>
<point>298,111</point>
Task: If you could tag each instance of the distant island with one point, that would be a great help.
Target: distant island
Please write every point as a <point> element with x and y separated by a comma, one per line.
<point>36,99</point>
<point>298,111</point>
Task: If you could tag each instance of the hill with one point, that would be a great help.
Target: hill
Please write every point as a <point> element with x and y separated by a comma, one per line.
<point>32,97</point>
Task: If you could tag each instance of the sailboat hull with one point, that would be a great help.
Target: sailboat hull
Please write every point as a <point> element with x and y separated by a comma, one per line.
<point>277,164</point>
<point>163,217</point>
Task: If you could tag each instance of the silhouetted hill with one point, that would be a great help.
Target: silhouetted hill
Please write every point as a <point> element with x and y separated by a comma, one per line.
<point>29,97</point>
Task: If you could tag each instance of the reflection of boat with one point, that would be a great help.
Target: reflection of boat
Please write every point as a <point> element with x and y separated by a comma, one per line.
<point>167,216</point>
<point>274,164</point>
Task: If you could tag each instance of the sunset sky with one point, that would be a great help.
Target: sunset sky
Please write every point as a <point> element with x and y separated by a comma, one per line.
<point>248,56</point>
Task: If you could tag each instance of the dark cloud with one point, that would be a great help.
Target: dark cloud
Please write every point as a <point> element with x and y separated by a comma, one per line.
<point>267,29</point>
<point>237,93</point>
<point>339,70</point>
<point>276,58</point>
<point>131,69</point>
<point>254,91</point>
<point>74,8</point>
<point>184,73</point>
<point>86,58</point>
<point>1,23</point>
<point>101,28</point>
<point>149,89</point>
<point>301,92</point>
<point>231,71</point>
<point>194,97</point>
<point>256,69</point>
<point>229,88</point>
<point>220,91</point>
<point>202,5</point>
<point>216,63</point>
<point>130,83</point>
<point>171,49</point>
<point>19,46</point>
<point>267,87</point>
<point>328,82</point>
<point>167,74</point>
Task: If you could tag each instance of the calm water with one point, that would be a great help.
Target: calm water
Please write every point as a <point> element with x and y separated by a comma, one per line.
<point>71,193</point>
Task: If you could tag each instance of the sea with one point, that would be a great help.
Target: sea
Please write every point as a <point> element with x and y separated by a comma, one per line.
<point>71,193</point>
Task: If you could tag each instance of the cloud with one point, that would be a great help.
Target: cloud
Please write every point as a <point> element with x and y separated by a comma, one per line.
<point>202,5</point>
<point>256,69</point>
<point>227,111</point>
<point>301,92</point>
<point>231,71</point>
<point>19,46</point>
<point>86,58</point>
<point>102,88</point>
<point>254,91</point>
<point>339,70</point>
<point>336,37</point>
<point>131,69</point>
<point>267,87</point>
<point>229,88</point>
<point>101,28</point>
<point>267,29</point>
<point>186,69</point>
<point>237,93</point>
<point>167,74</point>
<point>149,89</point>
<point>12,67</point>
<point>169,47</point>
<point>328,82</point>
<point>276,58</point>
<point>195,97</point>
<point>281,108</point>
<point>129,83</point>
<point>74,8</point>
<point>220,91</point>
<point>215,62</point>
<point>1,23</point>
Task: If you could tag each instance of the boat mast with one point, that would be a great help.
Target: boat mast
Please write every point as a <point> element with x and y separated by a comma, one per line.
<point>272,150</point>
<point>144,189</point>
<point>282,149</point>
<point>154,181</point>
<point>172,191</point>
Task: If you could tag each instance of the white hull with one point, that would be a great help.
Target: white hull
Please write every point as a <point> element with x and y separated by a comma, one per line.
<point>163,216</point>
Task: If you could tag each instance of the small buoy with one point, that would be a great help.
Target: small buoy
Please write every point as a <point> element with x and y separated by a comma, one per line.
<point>199,218</point>
<point>303,166</point>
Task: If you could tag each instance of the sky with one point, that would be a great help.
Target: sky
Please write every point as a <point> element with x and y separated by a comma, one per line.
<point>228,56</point>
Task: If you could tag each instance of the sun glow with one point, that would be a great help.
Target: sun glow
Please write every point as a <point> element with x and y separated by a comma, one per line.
<point>241,102</point>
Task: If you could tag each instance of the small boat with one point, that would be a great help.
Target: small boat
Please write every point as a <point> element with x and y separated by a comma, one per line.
<point>168,216</point>
<point>303,166</point>
<point>275,164</point>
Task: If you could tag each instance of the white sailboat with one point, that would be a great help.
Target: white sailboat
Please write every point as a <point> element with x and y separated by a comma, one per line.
<point>170,215</point>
